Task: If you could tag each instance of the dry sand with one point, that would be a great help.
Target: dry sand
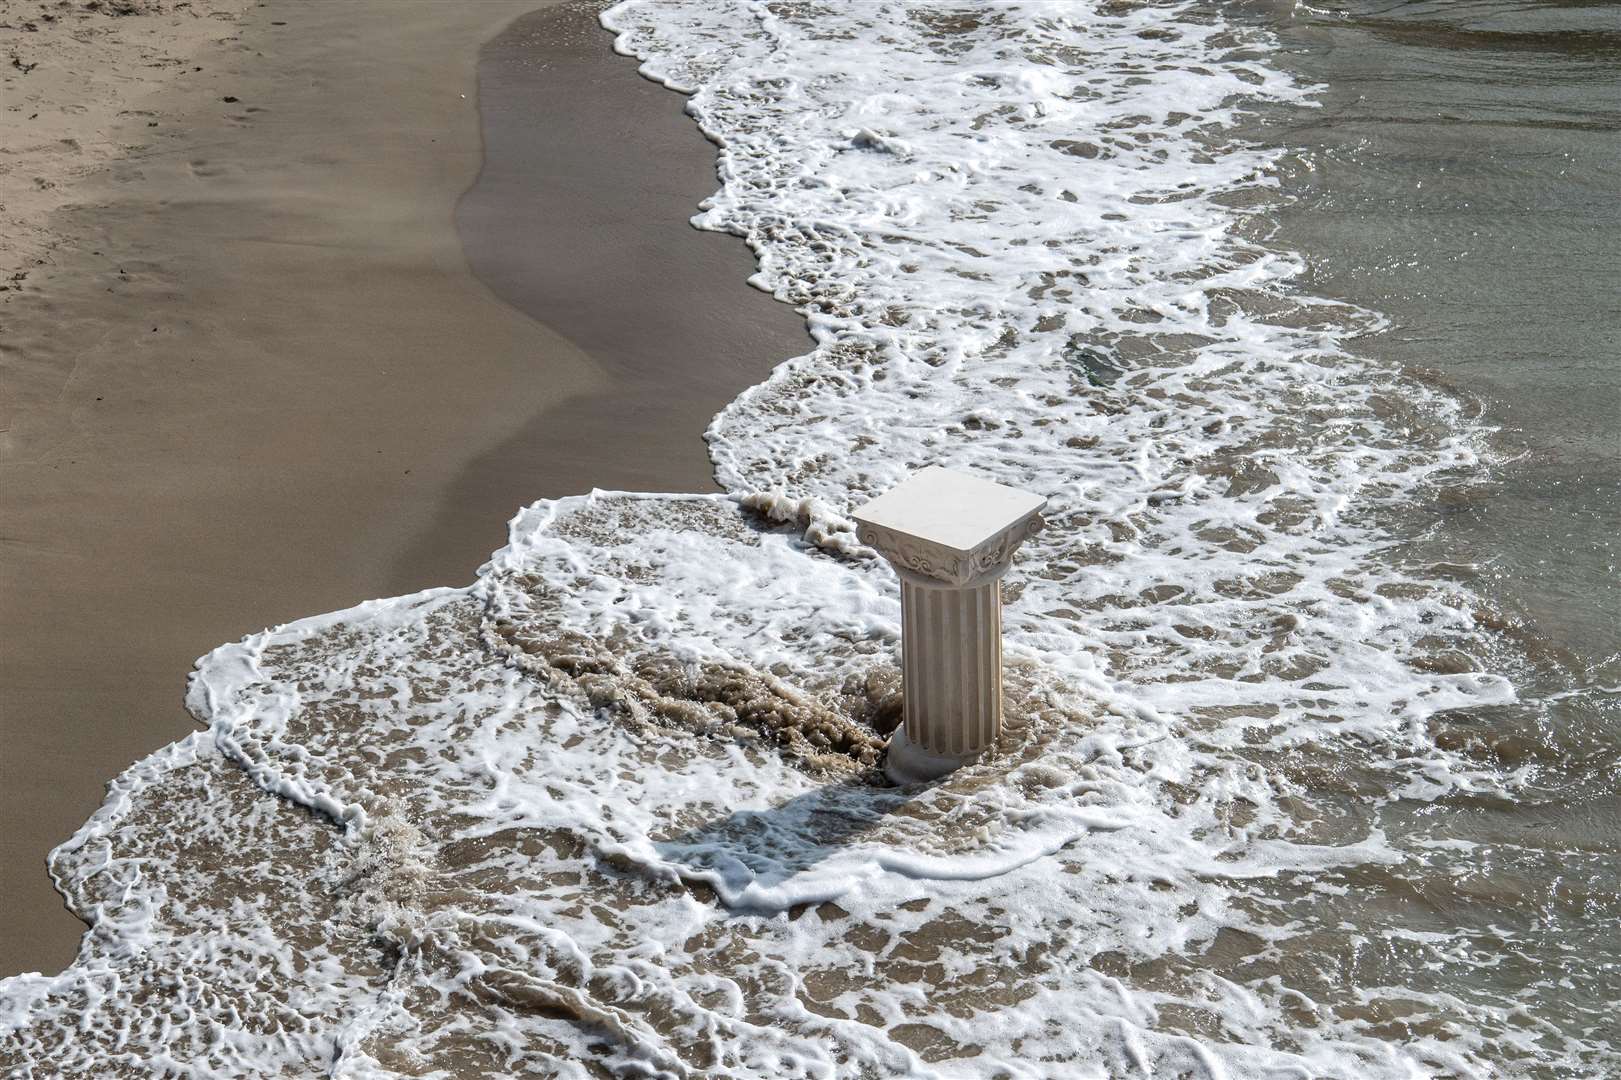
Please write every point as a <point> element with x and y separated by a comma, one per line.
<point>257,378</point>
<point>77,79</point>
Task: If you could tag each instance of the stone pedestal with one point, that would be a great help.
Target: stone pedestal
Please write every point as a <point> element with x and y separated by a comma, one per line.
<point>950,538</point>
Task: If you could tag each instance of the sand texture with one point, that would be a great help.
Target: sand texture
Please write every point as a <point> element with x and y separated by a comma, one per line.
<point>79,80</point>
<point>257,378</point>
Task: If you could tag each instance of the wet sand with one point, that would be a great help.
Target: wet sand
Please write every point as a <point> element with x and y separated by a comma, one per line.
<point>580,219</point>
<point>264,380</point>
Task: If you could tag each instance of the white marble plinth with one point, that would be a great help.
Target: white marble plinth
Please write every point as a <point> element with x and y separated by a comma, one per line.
<point>950,537</point>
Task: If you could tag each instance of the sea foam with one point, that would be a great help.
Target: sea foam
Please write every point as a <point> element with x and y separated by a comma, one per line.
<point>615,807</point>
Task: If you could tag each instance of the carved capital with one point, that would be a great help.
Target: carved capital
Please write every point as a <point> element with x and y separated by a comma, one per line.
<point>933,564</point>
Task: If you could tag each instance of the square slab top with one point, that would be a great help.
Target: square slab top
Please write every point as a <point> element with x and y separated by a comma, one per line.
<point>951,509</point>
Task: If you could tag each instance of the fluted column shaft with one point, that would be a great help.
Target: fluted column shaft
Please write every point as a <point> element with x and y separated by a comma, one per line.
<point>951,663</point>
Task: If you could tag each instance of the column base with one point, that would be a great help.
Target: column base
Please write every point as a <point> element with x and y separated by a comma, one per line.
<point>908,763</point>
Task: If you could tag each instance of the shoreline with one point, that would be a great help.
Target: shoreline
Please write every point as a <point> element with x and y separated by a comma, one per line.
<point>290,438</point>
<point>612,180</point>
<point>1285,786</point>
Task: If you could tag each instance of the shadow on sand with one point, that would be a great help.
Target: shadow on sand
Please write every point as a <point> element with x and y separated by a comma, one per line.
<point>767,847</point>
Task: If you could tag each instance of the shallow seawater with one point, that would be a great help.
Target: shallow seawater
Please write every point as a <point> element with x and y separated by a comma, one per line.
<point>1460,177</point>
<point>1310,762</point>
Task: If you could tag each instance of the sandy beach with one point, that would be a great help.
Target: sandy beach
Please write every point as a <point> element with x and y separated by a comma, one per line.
<point>254,371</point>
<point>1158,623</point>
